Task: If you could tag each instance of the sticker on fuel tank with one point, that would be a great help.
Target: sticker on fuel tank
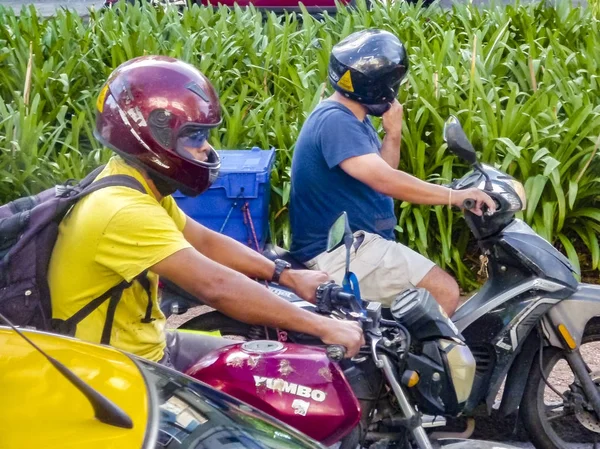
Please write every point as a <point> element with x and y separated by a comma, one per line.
<point>285,368</point>
<point>300,407</point>
<point>283,386</point>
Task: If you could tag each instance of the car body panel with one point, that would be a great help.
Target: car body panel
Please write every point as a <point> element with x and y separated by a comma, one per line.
<point>43,409</point>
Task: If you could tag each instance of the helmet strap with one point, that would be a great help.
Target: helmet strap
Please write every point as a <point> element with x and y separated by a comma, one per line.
<point>164,186</point>
<point>377,110</point>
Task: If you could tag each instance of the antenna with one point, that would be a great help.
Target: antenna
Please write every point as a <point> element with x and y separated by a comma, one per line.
<point>105,410</point>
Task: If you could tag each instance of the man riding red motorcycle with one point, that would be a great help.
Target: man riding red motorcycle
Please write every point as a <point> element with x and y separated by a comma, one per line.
<point>156,113</point>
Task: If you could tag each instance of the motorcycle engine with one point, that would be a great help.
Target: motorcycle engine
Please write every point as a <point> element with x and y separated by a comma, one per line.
<point>445,364</point>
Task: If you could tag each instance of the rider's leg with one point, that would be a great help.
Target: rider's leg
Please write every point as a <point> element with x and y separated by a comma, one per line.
<point>185,348</point>
<point>443,287</point>
<point>384,268</point>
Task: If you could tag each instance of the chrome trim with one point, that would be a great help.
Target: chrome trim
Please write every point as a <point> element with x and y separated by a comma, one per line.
<point>491,304</point>
<point>514,340</point>
<point>429,421</point>
<point>407,409</point>
<point>518,226</point>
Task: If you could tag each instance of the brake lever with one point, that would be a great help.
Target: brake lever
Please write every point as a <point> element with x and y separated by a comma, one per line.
<point>375,337</point>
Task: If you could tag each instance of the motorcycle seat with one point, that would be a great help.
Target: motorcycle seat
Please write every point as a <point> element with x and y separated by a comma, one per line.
<point>273,252</point>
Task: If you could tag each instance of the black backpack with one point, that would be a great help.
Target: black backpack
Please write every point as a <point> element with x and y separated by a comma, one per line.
<point>28,232</point>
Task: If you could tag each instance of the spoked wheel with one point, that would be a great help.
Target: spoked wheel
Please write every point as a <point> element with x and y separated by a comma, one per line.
<point>562,418</point>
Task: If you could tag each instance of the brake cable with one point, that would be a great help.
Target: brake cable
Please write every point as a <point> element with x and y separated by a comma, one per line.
<point>545,379</point>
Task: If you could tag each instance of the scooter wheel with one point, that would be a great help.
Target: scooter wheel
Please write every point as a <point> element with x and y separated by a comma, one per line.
<point>553,422</point>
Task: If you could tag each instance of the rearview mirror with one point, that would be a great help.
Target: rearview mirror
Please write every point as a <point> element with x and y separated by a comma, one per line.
<point>458,142</point>
<point>338,232</point>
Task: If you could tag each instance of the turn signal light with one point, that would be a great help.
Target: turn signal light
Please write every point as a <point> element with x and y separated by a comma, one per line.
<point>410,378</point>
<point>567,337</point>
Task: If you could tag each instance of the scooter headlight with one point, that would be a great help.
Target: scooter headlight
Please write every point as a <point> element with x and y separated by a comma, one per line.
<point>446,370</point>
<point>518,199</point>
<point>462,368</point>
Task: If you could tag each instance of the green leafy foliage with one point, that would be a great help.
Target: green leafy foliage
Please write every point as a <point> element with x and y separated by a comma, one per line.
<point>522,79</point>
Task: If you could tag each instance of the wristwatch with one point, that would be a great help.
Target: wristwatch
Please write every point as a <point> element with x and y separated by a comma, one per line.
<point>280,265</point>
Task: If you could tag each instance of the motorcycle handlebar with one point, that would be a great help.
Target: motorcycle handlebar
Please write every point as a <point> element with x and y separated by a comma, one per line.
<point>336,352</point>
<point>343,296</point>
<point>469,204</point>
<point>330,296</point>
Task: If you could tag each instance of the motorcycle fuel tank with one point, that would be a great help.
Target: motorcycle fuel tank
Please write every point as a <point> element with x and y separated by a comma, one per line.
<point>294,383</point>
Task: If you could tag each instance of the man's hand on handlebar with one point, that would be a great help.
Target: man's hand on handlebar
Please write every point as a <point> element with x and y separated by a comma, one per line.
<point>480,198</point>
<point>344,333</point>
<point>304,282</point>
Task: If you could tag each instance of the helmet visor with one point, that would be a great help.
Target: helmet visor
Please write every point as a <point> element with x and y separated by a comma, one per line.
<point>192,144</point>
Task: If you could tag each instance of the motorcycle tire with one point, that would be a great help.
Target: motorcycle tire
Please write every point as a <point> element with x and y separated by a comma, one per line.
<point>533,408</point>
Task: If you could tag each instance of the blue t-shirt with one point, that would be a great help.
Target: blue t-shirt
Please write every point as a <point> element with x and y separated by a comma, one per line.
<point>321,190</point>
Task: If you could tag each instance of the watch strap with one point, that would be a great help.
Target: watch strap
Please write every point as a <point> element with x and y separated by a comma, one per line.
<point>280,265</point>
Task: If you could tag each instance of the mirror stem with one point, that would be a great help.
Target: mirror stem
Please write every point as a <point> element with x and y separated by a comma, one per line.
<point>488,182</point>
<point>348,241</point>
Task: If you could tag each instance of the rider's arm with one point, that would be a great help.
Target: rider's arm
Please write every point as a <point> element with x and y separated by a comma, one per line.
<point>372,170</point>
<point>390,150</point>
<point>392,141</point>
<point>227,251</point>
<point>239,257</point>
<point>245,300</point>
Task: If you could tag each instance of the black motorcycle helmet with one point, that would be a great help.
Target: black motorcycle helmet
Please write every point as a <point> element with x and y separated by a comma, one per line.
<point>368,67</point>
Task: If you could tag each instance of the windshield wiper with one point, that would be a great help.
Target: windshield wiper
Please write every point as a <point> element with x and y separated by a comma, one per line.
<point>105,410</point>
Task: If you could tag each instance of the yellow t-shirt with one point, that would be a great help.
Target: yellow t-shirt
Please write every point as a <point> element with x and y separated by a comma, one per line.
<point>113,234</point>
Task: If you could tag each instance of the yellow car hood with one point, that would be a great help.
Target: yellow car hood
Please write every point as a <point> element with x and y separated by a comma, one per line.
<point>42,409</point>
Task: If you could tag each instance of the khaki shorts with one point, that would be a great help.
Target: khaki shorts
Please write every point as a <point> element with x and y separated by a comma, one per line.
<point>384,268</point>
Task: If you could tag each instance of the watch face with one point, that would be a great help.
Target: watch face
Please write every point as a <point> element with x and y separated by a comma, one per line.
<point>280,265</point>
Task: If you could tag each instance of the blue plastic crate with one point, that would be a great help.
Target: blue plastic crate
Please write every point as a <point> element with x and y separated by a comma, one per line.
<point>244,178</point>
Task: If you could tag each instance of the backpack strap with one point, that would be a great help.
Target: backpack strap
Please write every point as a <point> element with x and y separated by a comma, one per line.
<point>113,295</point>
<point>116,295</point>
<point>146,284</point>
<point>111,181</point>
<point>91,176</point>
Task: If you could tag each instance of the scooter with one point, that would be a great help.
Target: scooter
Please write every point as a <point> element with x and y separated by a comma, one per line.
<point>530,314</point>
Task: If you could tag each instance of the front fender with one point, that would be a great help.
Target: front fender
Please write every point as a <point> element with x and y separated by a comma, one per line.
<point>516,380</point>
<point>574,312</point>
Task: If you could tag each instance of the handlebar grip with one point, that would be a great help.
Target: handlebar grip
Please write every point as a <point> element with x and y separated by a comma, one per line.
<point>343,296</point>
<point>469,204</point>
<point>336,352</point>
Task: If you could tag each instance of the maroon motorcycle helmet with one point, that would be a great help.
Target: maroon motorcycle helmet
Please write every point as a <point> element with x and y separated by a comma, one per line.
<point>150,110</point>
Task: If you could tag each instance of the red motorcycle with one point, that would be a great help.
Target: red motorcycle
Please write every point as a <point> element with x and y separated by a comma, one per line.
<point>415,363</point>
